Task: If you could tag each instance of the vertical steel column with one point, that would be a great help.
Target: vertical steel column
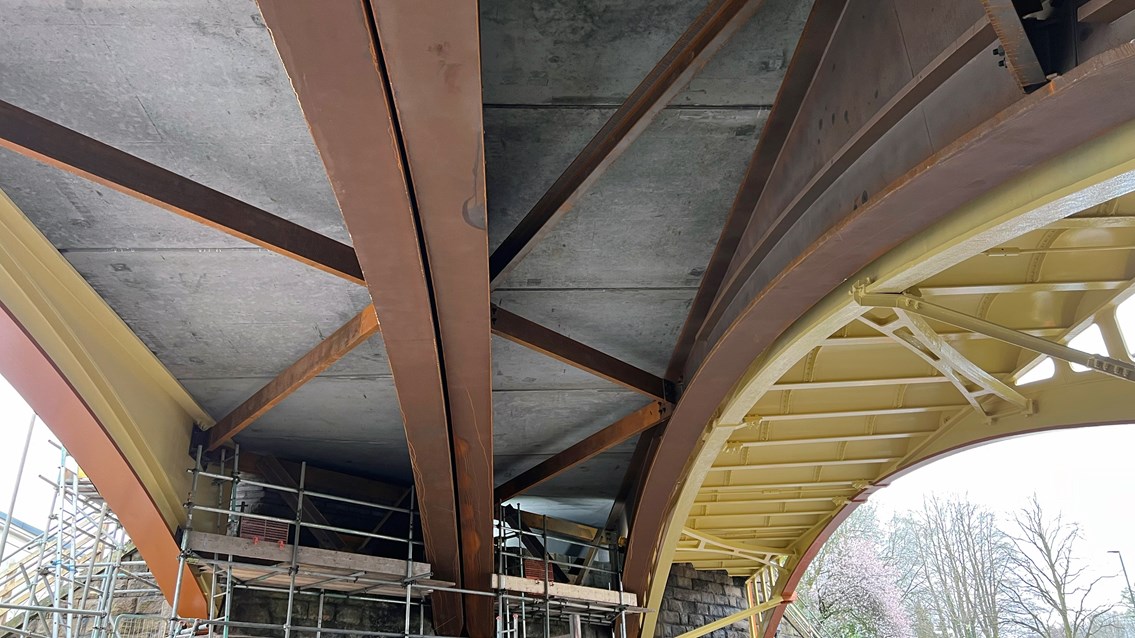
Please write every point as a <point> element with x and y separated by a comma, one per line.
<point>319,617</point>
<point>94,560</point>
<point>230,526</point>
<point>184,543</point>
<point>499,545</point>
<point>72,564</point>
<point>60,501</point>
<point>544,576</point>
<point>39,561</point>
<point>409,563</point>
<point>16,489</point>
<point>295,551</point>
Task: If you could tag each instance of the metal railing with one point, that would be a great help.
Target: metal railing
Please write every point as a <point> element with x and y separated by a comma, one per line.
<point>295,579</point>
<point>519,546</point>
<point>222,569</point>
<point>65,582</point>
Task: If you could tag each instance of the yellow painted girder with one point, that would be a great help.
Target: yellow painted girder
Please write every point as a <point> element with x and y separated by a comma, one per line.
<point>925,343</point>
<point>795,464</point>
<point>1084,179</point>
<point>813,440</point>
<point>1089,221</point>
<point>777,488</point>
<point>707,539</point>
<point>1022,287</point>
<point>910,303</point>
<point>858,383</point>
<point>949,336</point>
<point>760,501</point>
<point>1104,312</point>
<point>137,417</point>
<point>841,414</point>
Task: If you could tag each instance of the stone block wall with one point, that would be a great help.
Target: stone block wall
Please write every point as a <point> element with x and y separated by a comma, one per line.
<point>263,607</point>
<point>694,598</point>
<point>140,615</point>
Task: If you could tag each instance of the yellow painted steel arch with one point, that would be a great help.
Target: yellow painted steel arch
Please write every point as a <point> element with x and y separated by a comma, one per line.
<point>117,409</point>
<point>1031,208</point>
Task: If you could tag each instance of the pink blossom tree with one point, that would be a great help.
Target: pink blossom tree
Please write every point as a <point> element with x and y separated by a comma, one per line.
<point>851,591</point>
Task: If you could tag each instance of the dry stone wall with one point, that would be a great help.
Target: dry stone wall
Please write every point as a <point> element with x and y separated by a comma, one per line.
<point>694,598</point>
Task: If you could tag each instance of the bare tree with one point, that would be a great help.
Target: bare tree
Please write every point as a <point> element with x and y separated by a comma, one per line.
<point>963,560</point>
<point>1051,590</point>
<point>902,552</point>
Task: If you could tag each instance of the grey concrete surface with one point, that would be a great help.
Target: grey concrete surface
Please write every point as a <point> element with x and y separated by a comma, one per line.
<point>637,325</point>
<point>196,86</point>
<point>516,367</point>
<point>594,52</point>
<point>650,221</point>
<point>221,313</point>
<point>535,424</point>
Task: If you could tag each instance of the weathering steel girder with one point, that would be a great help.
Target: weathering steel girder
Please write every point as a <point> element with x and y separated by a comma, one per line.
<point>973,164</point>
<point>336,69</point>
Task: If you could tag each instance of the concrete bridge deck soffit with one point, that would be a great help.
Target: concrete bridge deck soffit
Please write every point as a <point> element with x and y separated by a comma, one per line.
<point>698,274</point>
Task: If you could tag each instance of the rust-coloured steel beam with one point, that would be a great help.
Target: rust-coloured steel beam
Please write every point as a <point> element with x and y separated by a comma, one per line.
<point>41,139</point>
<point>969,45</point>
<point>1020,57</point>
<point>336,70</point>
<point>622,509</point>
<point>634,423</point>
<point>432,53</point>
<point>987,156</point>
<point>45,388</point>
<point>1104,11</point>
<point>810,49</point>
<point>697,45</point>
<point>562,348</point>
<point>306,368</point>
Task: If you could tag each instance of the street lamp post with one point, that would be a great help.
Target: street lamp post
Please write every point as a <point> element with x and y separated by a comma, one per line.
<point>1126,578</point>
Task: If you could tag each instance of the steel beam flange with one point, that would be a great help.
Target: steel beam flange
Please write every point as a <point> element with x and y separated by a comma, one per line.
<point>1016,51</point>
<point>911,303</point>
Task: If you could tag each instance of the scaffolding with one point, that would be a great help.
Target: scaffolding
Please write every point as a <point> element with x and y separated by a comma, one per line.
<point>246,550</point>
<point>79,576</point>
<point>62,582</point>
<point>572,587</point>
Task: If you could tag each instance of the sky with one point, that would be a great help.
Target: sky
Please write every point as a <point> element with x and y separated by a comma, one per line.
<point>34,504</point>
<point>1085,474</point>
